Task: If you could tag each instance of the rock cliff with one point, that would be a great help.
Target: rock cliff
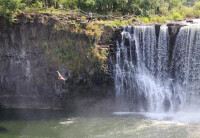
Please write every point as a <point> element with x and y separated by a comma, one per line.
<point>37,45</point>
<point>33,49</point>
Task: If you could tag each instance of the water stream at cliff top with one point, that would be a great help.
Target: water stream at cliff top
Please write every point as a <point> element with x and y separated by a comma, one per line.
<point>155,77</point>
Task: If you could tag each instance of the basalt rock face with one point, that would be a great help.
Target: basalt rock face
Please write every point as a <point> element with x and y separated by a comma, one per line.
<point>35,47</point>
<point>27,75</point>
<point>31,53</point>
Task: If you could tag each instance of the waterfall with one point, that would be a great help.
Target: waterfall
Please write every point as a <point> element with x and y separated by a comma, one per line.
<point>186,64</point>
<point>147,79</point>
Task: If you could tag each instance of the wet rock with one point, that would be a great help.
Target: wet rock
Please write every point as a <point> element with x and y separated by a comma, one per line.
<point>176,24</point>
<point>189,21</point>
<point>157,29</point>
<point>173,29</point>
<point>126,41</point>
<point>166,105</point>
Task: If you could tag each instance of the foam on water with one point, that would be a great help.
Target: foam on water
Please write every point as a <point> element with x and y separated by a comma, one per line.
<point>186,116</point>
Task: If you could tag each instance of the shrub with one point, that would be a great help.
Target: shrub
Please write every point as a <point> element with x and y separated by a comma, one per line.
<point>145,19</point>
<point>115,22</point>
<point>175,16</point>
<point>197,9</point>
<point>158,19</point>
<point>100,54</point>
<point>8,8</point>
<point>70,4</point>
<point>37,4</point>
<point>187,11</point>
<point>164,10</point>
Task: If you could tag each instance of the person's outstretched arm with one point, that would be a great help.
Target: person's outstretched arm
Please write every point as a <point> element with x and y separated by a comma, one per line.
<point>60,77</point>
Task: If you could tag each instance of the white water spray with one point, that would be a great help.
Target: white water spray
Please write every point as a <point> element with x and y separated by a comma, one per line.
<point>143,75</point>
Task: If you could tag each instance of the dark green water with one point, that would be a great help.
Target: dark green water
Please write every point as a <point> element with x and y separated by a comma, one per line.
<point>59,124</point>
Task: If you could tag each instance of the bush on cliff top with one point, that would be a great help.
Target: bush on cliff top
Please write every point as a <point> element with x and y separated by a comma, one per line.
<point>158,19</point>
<point>187,11</point>
<point>197,9</point>
<point>175,16</point>
<point>8,8</point>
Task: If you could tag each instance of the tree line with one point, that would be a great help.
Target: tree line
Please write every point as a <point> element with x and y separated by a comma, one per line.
<point>143,8</point>
<point>137,7</point>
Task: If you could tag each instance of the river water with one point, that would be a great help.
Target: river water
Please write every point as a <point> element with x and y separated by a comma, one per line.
<point>60,124</point>
<point>153,77</point>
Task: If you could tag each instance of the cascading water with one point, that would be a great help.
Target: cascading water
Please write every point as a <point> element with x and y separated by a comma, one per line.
<point>186,64</point>
<point>148,79</point>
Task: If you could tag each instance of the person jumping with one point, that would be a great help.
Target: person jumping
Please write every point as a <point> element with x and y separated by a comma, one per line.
<point>60,77</point>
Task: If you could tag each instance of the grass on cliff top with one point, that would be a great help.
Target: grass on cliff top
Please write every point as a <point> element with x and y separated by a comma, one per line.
<point>47,10</point>
<point>94,29</point>
<point>174,15</point>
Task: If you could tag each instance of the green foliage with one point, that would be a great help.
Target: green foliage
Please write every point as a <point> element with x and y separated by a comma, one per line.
<point>177,9</point>
<point>116,23</point>
<point>70,4</point>
<point>80,56</point>
<point>100,54</point>
<point>175,16</point>
<point>8,8</point>
<point>73,54</point>
<point>158,19</point>
<point>37,4</point>
<point>197,9</point>
<point>174,3</point>
<point>145,19</point>
<point>164,9</point>
<point>187,11</point>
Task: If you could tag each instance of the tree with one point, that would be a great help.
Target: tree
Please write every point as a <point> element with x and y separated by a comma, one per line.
<point>197,9</point>
<point>69,4</point>
<point>8,8</point>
